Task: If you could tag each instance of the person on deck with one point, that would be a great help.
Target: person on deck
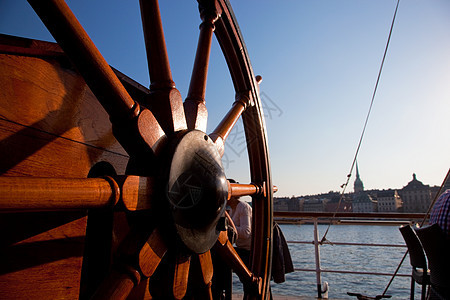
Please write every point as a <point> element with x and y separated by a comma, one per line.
<point>440,214</point>
<point>239,232</point>
<point>241,214</point>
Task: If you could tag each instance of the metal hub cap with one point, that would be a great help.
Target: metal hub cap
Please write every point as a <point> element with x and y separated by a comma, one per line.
<point>197,190</point>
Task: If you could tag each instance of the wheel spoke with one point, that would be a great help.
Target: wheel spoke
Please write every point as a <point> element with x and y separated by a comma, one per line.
<point>52,194</point>
<point>181,275</point>
<point>137,192</point>
<point>149,131</point>
<point>228,254</point>
<point>206,267</point>
<point>157,58</point>
<point>75,42</point>
<point>151,253</point>
<point>167,106</point>
<point>165,100</point>
<point>220,134</point>
<point>208,293</point>
<point>118,285</point>
<point>200,275</point>
<point>99,76</point>
<point>196,113</point>
<point>239,189</point>
<point>125,276</point>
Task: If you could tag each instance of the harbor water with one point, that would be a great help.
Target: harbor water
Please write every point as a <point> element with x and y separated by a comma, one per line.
<point>347,258</point>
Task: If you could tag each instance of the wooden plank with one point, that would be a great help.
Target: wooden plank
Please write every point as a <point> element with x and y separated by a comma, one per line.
<point>31,152</point>
<point>51,125</point>
<point>46,127</point>
<point>46,265</point>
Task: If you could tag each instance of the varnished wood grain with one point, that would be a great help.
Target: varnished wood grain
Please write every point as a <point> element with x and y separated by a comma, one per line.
<point>50,259</point>
<point>167,106</point>
<point>58,130</point>
<point>51,125</point>
<point>151,253</point>
<point>206,267</point>
<point>181,275</point>
<point>196,113</point>
<point>73,39</point>
<point>42,194</point>
<point>118,285</point>
<point>239,189</point>
<point>150,131</point>
<point>220,134</point>
<point>137,192</point>
<point>164,100</point>
<point>23,46</point>
<point>157,58</point>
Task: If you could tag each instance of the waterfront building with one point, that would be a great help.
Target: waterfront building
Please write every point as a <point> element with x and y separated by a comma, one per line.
<point>362,201</point>
<point>389,201</point>
<point>333,205</point>
<point>314,205</point>
<point>288,204</point>
<point>416,196</point>
<point>281,204</point>
<point>295,204</point>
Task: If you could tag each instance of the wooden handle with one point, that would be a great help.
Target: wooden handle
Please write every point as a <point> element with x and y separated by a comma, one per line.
<point>46,194</point>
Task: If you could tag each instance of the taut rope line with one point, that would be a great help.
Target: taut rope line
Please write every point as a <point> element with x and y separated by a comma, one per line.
<point>344,186</point>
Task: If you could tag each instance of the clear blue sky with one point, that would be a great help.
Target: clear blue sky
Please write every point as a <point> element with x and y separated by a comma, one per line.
<point>319,61</point>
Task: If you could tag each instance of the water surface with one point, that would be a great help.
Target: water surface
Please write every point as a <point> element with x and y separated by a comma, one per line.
<point>349,258</point>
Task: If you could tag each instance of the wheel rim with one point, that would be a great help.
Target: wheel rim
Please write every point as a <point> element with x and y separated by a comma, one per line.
<point>171,124</point>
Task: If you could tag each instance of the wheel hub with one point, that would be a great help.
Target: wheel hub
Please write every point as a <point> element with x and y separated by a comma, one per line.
<point>197,190</point>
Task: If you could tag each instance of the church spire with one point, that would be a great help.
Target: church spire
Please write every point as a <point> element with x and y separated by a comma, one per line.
<point>358,185</point>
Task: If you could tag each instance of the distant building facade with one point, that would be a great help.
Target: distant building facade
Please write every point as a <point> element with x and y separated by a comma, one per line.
<point>389,201</point>
<point>295,204</point>
<point>416,196</point>
<point>362,201</point>
<point>358,185</point>
<point>281,204</point>
<point>314,205</point>
<point>339,203</point>
<point>288,204</point>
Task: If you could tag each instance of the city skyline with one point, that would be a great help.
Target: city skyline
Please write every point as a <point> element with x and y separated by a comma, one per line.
<point>350,189</point>
<point>415,197</point>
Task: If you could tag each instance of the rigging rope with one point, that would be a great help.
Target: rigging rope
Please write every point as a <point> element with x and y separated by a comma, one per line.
<point>344,186</point>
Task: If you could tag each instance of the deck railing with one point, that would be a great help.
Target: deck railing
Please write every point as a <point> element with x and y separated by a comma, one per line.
<point>344,218</point>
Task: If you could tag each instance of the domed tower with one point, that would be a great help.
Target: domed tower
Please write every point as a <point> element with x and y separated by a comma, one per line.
<point>358,185</point>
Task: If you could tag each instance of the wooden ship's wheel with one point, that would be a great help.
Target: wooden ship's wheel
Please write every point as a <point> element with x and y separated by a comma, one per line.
<point>71,226</point>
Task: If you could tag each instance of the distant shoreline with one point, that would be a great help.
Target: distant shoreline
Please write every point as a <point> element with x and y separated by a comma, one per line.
<point>343,222</point>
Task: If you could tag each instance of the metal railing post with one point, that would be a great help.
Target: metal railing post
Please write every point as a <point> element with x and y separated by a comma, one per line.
<point>317,254</point>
